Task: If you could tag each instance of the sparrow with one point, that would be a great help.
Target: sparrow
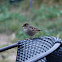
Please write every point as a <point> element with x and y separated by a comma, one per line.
<point>30,30</point>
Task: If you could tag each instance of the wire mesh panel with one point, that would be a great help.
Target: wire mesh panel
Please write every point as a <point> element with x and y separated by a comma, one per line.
<point>30,49</point>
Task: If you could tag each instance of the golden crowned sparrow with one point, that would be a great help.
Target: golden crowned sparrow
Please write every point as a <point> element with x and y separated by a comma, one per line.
<point>30,30</point>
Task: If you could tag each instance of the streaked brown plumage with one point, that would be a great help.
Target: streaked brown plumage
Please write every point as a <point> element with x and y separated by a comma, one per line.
<point>30,30</point>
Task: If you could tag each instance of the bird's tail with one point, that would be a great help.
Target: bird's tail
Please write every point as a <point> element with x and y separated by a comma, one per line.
<point>39,30</point>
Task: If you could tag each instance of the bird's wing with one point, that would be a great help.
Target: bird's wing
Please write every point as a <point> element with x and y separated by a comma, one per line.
<point>33,28</point>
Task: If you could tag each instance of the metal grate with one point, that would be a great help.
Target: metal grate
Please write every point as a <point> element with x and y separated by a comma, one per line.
<point>30,49</point>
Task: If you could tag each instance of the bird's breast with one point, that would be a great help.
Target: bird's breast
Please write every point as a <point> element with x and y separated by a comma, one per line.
<point>25,29</point>
<point>29,32</point>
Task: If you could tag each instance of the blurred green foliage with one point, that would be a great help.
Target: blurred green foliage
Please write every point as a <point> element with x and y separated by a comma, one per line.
<point>13,16</point>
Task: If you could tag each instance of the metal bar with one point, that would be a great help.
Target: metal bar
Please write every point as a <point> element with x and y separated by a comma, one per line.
<point>46,53</point>
<point>8,47</point>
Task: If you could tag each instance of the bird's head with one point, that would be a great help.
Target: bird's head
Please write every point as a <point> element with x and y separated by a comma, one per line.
<point>25,25</point>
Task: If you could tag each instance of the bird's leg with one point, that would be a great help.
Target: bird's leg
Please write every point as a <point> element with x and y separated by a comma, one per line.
<point>33,36</point>
<point>29,37</point>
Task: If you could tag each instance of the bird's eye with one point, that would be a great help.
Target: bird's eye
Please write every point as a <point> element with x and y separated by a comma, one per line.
<point>25,25</point>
